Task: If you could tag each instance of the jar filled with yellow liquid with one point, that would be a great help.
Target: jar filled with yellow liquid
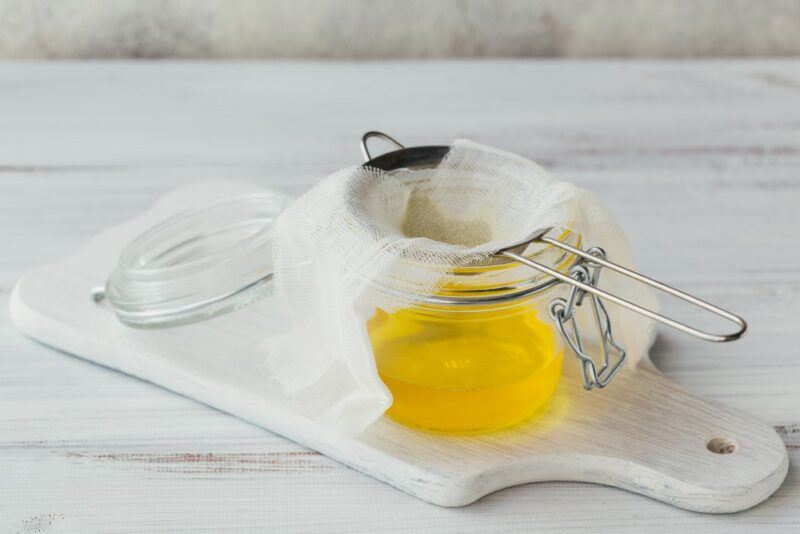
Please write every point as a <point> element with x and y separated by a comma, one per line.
<point>484,350</point>
<point>478,355</point>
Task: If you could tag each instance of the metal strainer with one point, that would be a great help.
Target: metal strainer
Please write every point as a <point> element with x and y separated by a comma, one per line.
<point>582,276</point>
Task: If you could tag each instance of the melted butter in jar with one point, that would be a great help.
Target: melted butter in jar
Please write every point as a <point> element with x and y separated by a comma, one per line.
<point>451,370</point>
<point>465,369</point>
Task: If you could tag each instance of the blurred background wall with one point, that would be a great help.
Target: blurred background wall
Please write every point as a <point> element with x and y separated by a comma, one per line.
<point>364,29</point>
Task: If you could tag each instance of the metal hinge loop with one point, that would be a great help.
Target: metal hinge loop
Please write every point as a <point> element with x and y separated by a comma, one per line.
<point>563,313</point>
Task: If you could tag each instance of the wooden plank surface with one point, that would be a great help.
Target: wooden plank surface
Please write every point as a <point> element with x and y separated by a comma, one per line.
<point>699,160</point>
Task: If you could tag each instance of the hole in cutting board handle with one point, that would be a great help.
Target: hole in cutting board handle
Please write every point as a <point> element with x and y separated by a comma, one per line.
<point>722,445</point>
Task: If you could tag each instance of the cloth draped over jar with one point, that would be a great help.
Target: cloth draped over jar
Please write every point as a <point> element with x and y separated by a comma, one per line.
<point>365,238</point>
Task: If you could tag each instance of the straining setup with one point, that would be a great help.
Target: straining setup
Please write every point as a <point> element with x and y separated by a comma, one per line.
<point>466,333</point>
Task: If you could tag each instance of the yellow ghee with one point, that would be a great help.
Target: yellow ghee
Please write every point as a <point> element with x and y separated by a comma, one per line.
<point>452,370</point>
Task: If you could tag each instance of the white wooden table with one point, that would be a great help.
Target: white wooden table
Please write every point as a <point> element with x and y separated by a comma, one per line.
<point>699,160</point>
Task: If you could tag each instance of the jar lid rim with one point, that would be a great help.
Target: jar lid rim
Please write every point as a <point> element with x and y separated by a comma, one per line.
<point>198,264</point>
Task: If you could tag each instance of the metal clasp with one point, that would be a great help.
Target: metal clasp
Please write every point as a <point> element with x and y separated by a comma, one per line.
<point>583,277</point>
<point>562,311</point>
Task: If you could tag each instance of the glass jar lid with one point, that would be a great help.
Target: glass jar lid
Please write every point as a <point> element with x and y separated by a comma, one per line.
<point>199,264</point>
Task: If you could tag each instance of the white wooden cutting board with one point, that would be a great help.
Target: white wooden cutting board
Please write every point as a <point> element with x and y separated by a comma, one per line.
<point>643,433</point>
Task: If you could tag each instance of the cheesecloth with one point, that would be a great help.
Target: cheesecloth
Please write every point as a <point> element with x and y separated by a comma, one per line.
<point>361,227</point>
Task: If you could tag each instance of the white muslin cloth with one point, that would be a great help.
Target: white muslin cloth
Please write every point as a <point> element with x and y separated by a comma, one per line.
<point>361,225</point>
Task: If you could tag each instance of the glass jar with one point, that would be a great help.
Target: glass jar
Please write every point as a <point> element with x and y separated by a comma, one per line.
<point>482,353</point>
<point>478,355</point>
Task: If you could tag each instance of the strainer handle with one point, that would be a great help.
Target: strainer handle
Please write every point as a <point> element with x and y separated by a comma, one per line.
<point>374,133</point>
